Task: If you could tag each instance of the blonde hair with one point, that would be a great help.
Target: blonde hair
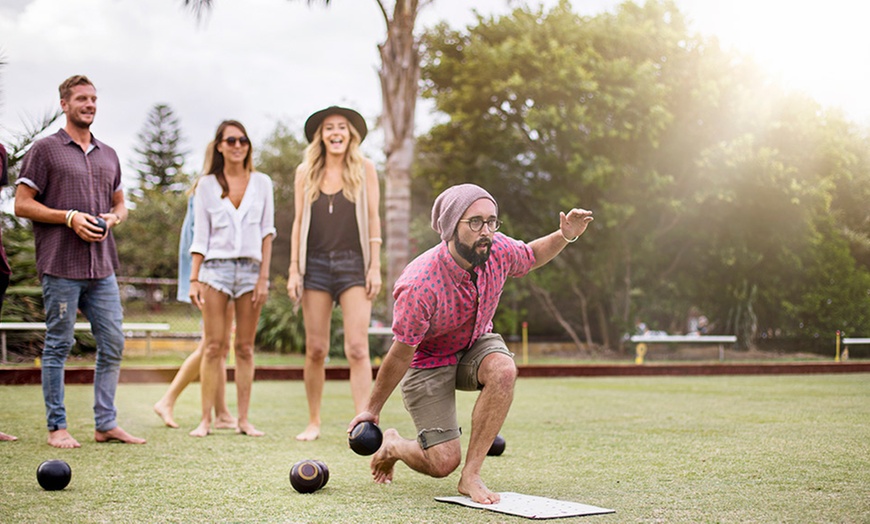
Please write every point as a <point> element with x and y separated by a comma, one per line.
<point>314,166</point>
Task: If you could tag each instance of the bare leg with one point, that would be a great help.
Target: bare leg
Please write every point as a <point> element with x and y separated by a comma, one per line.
<point>438,461</point>
<point>117,434</point>
<point>498,374</point>
<point>187,373</point>
<point>7,438</point>
<point>215,351</point>
<point>246,330</point>
<point>62,439</point>
<point>317,314</point>
<point>357,312</point>
<point>223,419</point>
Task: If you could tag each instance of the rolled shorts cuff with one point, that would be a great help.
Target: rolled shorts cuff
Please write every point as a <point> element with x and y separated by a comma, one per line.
<point>432,437</point>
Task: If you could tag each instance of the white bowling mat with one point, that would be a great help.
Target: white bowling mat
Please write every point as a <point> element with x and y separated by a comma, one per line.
<point>531,507</point>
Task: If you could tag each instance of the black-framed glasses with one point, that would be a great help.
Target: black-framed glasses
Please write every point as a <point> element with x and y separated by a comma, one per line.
<point>231,141</point>
<point>476,223</point>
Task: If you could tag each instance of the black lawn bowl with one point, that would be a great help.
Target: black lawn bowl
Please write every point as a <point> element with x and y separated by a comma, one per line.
<point>365,438</point>
<point>497,447</point>
<point>53,475</point>
<point>307,476</point>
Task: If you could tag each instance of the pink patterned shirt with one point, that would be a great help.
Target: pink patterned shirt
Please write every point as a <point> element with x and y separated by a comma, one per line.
<point>438,307</point>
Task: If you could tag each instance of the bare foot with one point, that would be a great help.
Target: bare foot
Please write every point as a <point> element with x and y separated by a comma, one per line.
<point>117,434</point>
<point>7,438</point>
<point>225,421</point>
<point>202,430</point>
<point>477,490</point>
<point>246,428</point>
<point>62,439</point>
<point>383,460</point>
<point>312,432</point>
<point>164,411</point>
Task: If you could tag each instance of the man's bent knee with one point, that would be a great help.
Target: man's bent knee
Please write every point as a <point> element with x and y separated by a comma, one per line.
<point>498,369</point>
<point>443,458</point>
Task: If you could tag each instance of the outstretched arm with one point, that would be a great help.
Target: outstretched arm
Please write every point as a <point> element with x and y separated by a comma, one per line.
<point>571,226</point>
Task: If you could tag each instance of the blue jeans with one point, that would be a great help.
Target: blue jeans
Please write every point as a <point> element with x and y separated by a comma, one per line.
<point>100,301</point>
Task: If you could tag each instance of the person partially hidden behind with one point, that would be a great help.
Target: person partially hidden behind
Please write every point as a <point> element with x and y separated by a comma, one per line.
<point>445,301</point>
<point>67,180</point>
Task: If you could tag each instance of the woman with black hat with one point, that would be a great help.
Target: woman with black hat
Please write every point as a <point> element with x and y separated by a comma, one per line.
<point>335,250</point>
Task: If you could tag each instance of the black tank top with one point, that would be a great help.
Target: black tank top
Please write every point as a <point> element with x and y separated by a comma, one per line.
<point>333,225</point>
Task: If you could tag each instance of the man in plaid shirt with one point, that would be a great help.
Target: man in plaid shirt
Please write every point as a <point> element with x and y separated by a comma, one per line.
<point>70,187</point>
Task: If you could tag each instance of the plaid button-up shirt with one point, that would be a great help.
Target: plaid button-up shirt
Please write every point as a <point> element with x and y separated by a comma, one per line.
<point>441,310</point>
<point>65,177</point>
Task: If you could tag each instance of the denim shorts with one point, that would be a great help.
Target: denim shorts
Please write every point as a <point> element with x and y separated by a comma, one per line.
<point>233,276</point>
<point>334,272</point>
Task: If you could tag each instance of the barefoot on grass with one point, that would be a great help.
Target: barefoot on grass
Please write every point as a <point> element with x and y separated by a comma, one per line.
<point>226,421</point>
<point>62,439</point>
<point>7,438</point>
<point>202,430</point>
<point>164,411</point>
<point>312,432</point>
<point>246,428</point>
<point>117,434</point>
<point>477,490</point>
<point>383,461</point>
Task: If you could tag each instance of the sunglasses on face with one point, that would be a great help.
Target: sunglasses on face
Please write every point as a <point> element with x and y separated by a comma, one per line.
<point>231,141</point>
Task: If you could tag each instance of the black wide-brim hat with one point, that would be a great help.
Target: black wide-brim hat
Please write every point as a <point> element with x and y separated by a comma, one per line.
<point>356,120</point>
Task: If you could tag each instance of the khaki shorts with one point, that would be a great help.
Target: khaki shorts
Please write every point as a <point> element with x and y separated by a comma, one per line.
<point>430,394</point>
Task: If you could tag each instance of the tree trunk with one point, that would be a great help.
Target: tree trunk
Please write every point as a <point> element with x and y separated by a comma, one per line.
<point>546,300</point>
<point>400,75</point>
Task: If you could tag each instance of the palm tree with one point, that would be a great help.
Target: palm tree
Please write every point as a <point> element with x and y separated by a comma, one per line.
<point>400,75</point>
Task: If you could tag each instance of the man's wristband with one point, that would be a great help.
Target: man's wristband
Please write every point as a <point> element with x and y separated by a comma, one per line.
<point>571,241</point>
<point>69,216</point>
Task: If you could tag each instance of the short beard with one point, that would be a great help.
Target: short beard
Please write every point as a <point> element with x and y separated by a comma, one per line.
<point>470,254</point>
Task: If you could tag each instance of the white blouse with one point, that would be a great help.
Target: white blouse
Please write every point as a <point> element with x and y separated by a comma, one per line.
<point>222,231</point>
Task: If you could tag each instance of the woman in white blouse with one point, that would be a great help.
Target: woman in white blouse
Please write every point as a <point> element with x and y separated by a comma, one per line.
<point>231,251</point>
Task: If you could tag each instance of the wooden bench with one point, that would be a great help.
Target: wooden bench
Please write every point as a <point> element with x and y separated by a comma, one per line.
<point>127,327</point>
<point>643,340</point>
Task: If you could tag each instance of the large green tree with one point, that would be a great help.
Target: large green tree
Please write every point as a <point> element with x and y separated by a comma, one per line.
<point>148,242</point>
<point>709,183</point>
<point>160,153</point>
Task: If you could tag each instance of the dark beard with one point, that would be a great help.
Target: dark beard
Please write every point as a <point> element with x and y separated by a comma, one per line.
<point>470,254</point>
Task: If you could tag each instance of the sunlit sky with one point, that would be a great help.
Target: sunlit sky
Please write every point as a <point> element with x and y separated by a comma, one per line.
<point>265,61</point>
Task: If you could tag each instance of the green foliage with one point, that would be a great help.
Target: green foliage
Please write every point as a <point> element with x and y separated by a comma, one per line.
<point>161,158</point>
<point>148,241</point>
<point>709,183</point>
<point>282,329</point>
<point>278,158</point>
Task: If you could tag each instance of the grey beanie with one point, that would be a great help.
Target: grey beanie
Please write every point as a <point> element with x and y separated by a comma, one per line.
<point>452,204</point>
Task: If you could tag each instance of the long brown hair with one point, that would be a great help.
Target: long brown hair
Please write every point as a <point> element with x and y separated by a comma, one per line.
<point>216,166</point>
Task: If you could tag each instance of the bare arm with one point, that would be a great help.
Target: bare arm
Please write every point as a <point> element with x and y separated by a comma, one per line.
<point>26,206</point>
<point>261,290</point>
<point>294,280</point>
<point>118,213</point>
<point>396,363</point>
<point>571,226</point>
<point>373,275</point>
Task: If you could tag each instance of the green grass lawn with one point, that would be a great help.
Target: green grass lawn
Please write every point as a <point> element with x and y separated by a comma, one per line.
<point>656,449</point>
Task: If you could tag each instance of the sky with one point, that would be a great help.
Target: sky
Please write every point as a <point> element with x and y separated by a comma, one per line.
<point>268,61</point>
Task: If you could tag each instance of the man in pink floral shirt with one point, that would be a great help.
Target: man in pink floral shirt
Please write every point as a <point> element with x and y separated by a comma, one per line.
<point>443,341</point>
